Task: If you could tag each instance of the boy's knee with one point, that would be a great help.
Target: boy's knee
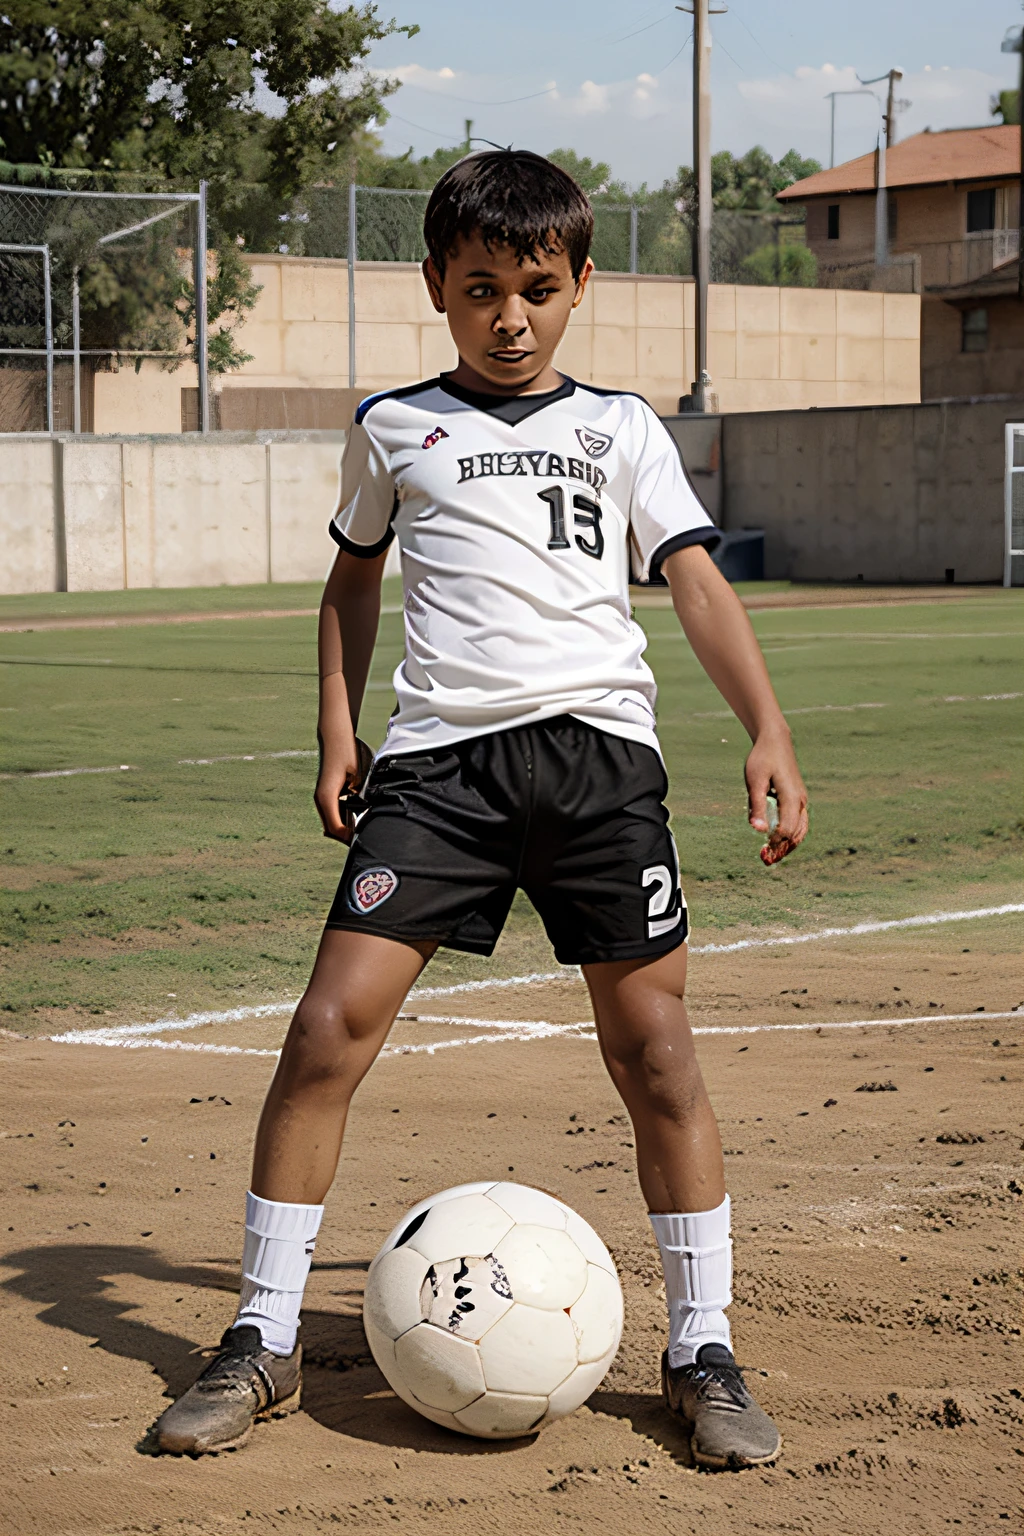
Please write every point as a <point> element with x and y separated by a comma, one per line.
<point>657,1067</point>
<point>320,1046</point>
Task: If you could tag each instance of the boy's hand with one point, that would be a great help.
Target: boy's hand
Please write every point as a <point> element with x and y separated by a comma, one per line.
<point>771,765</point>
<point>343,768</point>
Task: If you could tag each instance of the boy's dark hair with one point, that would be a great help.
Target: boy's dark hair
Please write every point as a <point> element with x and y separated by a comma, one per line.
<point>510,197</point>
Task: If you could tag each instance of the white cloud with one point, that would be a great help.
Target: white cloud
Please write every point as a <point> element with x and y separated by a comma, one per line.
<point>590,98</point>
<point>642,124</point>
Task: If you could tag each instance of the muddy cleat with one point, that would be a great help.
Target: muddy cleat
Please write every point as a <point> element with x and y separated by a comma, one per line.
<point>242,1383</point>
<point>726,1427</point>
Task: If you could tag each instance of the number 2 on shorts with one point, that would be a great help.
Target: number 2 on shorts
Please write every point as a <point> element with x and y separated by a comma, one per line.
<point>662,900</point>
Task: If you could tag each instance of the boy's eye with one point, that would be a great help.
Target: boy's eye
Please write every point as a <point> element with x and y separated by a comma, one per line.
<point>481,291</point>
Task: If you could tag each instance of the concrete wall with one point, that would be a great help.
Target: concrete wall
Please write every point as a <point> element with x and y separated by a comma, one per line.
<point>896,494</point>
<point>947,370</point>
<point>889,494</point>
<point>769,348</point>
<point>148,401</point>
<point>31,534</point>
<point>99,515</point>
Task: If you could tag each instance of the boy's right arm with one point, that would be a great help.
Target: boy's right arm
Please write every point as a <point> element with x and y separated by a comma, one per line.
<point>349,614</point>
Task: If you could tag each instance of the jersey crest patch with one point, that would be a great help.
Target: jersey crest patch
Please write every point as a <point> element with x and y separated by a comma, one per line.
<point>434,437</point>
<point>594,444</point>
<point>372,888</point>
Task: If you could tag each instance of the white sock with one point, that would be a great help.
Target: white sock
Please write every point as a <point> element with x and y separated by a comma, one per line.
<point>279,1243</point>
<point>696,1254</point>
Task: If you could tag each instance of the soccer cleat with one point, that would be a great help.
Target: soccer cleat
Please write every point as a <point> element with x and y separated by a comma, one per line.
<point>242,1383</point>
<point>726,1427</point>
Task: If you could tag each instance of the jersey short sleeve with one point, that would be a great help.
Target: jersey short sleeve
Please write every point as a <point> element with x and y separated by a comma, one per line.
<point>362,524</point>
<point>665,514</point>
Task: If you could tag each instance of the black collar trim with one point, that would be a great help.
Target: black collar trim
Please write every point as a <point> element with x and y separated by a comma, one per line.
<point>508,408</point>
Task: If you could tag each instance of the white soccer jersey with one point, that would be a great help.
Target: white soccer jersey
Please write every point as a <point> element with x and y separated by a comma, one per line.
<point>519,523</point>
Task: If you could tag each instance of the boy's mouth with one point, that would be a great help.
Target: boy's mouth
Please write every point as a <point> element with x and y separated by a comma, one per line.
<point>510,354</point>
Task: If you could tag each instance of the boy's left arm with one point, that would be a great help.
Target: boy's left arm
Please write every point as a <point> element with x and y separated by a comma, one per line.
<point>716,625</point>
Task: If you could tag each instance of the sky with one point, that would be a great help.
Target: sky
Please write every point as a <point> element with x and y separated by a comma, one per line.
<point>613,81</point>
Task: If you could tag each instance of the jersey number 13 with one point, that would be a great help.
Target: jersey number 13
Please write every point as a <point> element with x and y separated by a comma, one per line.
<point>586,514</point>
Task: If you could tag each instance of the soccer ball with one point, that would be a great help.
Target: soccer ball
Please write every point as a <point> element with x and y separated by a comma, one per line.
<point>492,1309</point>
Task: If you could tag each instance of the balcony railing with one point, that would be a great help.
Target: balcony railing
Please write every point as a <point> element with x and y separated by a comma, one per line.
<point>976,257</point>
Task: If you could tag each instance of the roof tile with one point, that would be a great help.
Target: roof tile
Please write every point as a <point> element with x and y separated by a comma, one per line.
<point>957,154</point>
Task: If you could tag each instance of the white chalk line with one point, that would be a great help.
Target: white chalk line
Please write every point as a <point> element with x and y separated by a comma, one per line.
<point>567,973</point>
<point>182,762</point>
<point>845,709</point>
<point>117,1032</point>
<point>69,773</point>
<point>928,920</point>
<point>705,714</point>
<point>243,757</point>
<point>509,1030</point>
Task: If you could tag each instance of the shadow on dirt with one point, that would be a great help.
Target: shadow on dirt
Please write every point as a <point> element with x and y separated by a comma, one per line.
<point>74,1287</point>
<point>645,1412</point>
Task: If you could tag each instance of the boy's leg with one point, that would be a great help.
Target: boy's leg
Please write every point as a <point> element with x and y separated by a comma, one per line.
<point>359,983</point>
<point>648,1049</point>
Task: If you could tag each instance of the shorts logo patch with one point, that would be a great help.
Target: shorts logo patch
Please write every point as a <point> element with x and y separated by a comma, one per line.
<point>373,887</point>
<point>594,444</point>
<point>434,437</point>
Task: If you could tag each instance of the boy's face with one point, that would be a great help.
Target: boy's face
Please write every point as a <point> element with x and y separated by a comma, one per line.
<point>506,317</point>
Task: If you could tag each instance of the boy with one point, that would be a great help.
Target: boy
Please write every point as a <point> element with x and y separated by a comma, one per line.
<point>522,753</point>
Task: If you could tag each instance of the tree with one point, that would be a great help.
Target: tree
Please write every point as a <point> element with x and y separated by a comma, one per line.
<point>785,266</point>
<point>172,89</point>
<point>594,177</point>
<point>750,183</point>
<point>1007,106</point>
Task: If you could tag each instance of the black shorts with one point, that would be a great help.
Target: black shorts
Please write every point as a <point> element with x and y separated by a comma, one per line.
<point>569,813</point>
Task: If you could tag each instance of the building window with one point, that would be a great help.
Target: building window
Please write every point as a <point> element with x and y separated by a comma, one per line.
<point>833,221</point>
<point>974,330</point>
<point>981,210</point>
<point>891,216</point>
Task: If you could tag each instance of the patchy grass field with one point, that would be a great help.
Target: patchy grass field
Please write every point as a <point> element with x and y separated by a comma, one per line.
<point>207,881</point>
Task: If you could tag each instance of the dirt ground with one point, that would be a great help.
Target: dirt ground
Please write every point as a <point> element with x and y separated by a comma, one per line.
<point>877,1250</point>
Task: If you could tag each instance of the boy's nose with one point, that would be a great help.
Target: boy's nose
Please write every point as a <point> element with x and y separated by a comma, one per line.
<point>512,319</point>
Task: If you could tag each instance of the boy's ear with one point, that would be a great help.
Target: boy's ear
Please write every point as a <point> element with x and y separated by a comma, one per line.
<point>432,278</point>
<point>581,283</point>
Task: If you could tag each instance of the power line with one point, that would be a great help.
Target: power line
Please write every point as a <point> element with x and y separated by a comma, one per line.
<point>474,101</point>
<point>675,56</point>
<point>445,138</point>
<point>638,31</point>
<point>757,40</point>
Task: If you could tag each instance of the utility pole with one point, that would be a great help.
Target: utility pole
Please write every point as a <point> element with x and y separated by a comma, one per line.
<point>1013,42</point>
<point>890,108</point>
<point>469,135</point>
<point>881,198</point>
<point>831,97</point>
<point>202,332</point>
<point>701,397</point>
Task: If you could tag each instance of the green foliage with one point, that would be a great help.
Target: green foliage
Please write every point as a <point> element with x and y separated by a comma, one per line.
<point>136,84</point>
<point>230,294</point>
<point>594,177</point>
<point>785,266</point>
<point>1006,104</point>
<point>169,92</point>
<point>750,183</point>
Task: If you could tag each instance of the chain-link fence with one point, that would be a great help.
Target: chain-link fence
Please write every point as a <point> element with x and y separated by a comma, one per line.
<point>89,277</point>
<point>651,237</point>
<point>124,285</point>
